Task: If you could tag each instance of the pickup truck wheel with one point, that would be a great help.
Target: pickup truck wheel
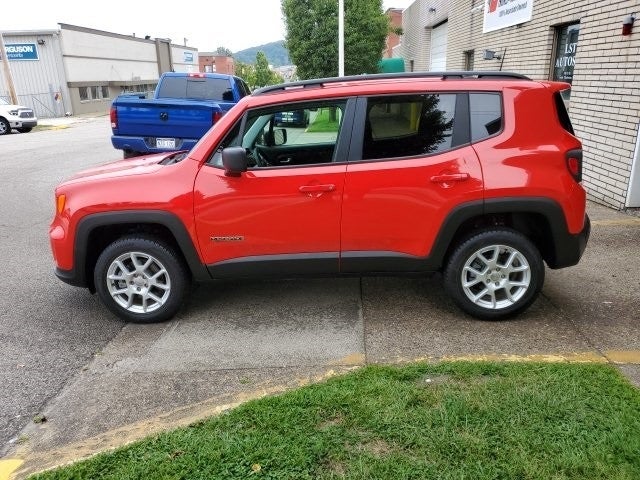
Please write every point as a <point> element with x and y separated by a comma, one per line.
<point>130,154</point>
<point>141,279</point>
<point>5,127</point>
<point>495,274</point>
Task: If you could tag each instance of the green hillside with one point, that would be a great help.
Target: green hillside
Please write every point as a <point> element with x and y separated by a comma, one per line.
<point>276,53</point>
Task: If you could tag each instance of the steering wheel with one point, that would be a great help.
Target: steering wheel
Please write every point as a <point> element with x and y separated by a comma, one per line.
<point>258,156</point>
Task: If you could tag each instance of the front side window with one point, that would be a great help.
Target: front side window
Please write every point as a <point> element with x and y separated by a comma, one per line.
<point>408,125</point>
<point>287,135</point>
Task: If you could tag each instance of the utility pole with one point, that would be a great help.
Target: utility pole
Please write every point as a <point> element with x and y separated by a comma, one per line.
<point>341,38</point>
<point>7,71</point>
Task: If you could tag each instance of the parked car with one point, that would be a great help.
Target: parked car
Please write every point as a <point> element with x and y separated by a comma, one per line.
<point>473,174</point>
<point>16,116</point>
<point>297,118</point>
<point>183,108</point>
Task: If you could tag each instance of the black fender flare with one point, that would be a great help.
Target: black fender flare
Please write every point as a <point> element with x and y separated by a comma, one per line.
<point>141,217</point>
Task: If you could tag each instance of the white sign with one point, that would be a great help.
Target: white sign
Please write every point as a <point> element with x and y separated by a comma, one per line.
<point>506,13</point>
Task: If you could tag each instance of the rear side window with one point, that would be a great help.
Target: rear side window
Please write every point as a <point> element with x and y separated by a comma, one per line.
<point>563,115</point>
<point>486,115</point>
<point>408,125</point>
<point>217,89</point>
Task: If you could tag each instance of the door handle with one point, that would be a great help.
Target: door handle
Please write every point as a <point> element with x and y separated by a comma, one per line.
<point>317,188</point>
<point>450,177</point>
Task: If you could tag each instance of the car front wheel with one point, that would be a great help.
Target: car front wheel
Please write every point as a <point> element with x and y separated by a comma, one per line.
<point>5,127</point>
<point>495,274</point>
<point>141,279</point>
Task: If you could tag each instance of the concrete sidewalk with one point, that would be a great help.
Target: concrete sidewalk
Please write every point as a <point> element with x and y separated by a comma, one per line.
<point>237,341</point>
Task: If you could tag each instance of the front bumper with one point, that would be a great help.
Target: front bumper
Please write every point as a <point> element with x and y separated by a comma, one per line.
<point>19,123</point>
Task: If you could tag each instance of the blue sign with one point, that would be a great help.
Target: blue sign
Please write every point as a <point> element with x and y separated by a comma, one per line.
<point>21,51</point>
<point>188,56</point>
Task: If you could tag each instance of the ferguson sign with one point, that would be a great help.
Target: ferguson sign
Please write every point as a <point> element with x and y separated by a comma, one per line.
<point>21,51</point>
<point>505,13</point>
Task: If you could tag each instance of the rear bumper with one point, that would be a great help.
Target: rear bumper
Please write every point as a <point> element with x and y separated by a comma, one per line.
<point>569,248</point>
<point>71,277</point>
<point>147,144</point>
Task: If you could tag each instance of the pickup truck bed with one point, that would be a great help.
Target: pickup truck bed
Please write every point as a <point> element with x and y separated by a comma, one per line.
<point>183,109</point>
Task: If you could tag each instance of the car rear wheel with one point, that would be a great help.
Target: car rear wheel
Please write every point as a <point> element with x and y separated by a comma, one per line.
<point>141,279</point>
<point>495,274</point>
<point>5,127</point>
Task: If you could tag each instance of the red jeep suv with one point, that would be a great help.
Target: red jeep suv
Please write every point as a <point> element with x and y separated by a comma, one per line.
<point>474,174</point>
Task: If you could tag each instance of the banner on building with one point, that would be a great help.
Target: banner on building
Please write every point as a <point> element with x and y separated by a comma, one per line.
<point>21,51</point>
<point>505,13</point>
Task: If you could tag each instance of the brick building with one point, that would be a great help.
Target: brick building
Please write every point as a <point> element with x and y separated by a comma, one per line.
<point>580,42</point>
<point>213,62</point>
<point>393,39</point>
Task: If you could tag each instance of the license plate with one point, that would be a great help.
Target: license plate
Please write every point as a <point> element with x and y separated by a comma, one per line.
<point>165,143</point>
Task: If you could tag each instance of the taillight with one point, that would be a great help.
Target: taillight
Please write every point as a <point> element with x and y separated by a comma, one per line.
<point>574,163</point>
<point>216,116</point>
<point>113,115</point>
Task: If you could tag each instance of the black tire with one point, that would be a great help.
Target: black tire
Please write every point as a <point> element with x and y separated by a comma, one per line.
<point>24,129</point>
<point>143,287</point>
<point>494,274</point>
<point>5,127</point>
<point>130,154</point>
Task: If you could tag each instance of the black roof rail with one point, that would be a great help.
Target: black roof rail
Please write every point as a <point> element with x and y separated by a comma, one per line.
<point>318,82</point>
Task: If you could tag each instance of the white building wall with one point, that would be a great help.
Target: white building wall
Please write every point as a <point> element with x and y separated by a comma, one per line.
<point>185,59</point>
<point>40,84</point>
<point>418,21</point>
<point>90,57</point>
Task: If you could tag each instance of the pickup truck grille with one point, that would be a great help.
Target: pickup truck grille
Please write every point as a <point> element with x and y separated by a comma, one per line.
<point>26,114</point>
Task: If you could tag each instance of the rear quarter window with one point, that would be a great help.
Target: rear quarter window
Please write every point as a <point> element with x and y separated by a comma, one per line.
<point>563,115</point>
<point>485,111</point>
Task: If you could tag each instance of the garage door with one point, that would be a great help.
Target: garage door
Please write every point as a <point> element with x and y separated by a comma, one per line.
<point>438,61</point>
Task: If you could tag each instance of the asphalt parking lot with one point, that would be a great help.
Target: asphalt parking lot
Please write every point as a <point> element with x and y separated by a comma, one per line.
<point>108,383</point>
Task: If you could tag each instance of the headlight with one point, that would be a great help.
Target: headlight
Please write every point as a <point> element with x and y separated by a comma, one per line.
<point>13,112</point>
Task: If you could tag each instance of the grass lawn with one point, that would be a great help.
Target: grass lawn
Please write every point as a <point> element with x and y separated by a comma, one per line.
<point>323,122</point>
<point>445,421</point>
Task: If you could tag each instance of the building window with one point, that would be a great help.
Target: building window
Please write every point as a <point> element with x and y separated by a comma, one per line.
<point>104,91</point>
<point>84,94</point>
<point>95,92</point>
<point>468,60</point>
<point>565,54</point>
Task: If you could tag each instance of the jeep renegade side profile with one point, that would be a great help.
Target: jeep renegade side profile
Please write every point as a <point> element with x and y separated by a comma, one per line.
<point>474,174</point>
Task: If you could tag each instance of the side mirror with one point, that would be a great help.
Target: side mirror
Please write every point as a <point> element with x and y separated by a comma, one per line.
<point>234,161</point>
<point>279,136</point>
<point>276,137</point>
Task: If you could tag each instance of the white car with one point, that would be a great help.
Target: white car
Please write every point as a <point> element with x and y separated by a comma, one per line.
<point>16,116</point>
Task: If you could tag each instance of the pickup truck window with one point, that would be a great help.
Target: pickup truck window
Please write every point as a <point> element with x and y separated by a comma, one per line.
<point>216,89</point>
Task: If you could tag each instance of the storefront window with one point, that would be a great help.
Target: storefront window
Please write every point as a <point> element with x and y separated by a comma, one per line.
<point>565,55</point>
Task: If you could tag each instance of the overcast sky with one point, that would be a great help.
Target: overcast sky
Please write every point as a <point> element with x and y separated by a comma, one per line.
<point>235,24</point>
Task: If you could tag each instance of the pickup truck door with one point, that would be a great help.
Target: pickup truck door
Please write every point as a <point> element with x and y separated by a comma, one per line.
<point>274,219</point>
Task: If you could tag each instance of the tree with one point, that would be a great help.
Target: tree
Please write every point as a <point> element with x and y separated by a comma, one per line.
<point>263,74</point>
<point>312,36</point>
<point>223,51</point>
<point>247,72</point>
